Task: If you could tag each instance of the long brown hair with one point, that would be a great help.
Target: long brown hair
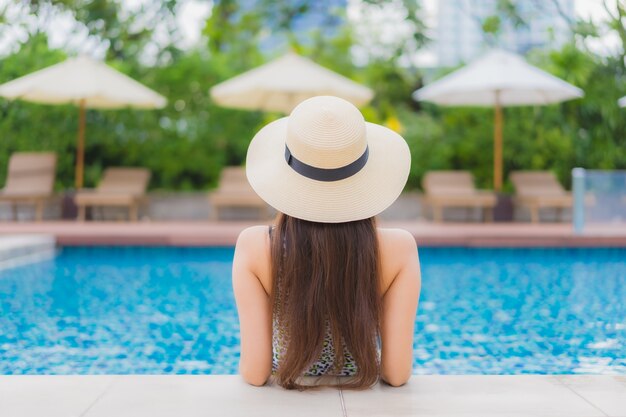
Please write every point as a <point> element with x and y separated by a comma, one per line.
<point>326,275</point>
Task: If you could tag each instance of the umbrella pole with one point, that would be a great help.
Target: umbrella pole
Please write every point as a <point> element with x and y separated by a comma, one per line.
<point>497,145</point>
<point>80,146</point>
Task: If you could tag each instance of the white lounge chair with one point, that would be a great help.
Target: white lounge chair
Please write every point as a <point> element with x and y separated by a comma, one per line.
<point>455,189</point>
<point>30,180</point>
<point>119,187</point>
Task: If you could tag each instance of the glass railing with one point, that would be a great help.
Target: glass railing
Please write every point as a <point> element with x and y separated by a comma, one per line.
<point>599,198</point>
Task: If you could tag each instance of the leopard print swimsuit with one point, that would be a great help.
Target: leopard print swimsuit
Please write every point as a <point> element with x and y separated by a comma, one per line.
<point>325,365</point>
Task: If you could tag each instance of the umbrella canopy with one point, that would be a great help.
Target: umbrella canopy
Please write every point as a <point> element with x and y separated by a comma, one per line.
<point>498,79</point>
<point>85,80</point>
<point>283,83</point>
<point>86,83</point>
<point>622,102</point>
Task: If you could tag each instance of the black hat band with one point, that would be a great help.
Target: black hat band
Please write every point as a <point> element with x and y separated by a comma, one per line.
<point>326,174</point>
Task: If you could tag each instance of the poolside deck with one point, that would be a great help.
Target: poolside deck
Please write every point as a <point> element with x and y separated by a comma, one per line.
<point>225,233</point>
<point>424,396</point>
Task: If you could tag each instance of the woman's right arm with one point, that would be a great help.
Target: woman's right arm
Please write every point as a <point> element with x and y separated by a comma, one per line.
<point>253,306</point>
<point>399,309</point>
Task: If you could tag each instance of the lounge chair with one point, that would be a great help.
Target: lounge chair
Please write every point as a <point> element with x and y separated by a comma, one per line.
<point>235,191</point>
<point>455,189</point>
<point>30,180</point>
<point>119,187</point>
<point>539,189</point>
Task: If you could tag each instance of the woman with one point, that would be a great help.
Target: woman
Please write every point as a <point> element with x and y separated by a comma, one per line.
<point>324,291</point>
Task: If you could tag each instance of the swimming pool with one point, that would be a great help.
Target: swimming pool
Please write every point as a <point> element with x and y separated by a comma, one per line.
<point>127,310</point>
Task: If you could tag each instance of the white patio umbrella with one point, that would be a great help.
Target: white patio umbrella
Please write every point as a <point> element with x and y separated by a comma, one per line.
<point>283,83</point>
<point>498,79</point>
<point>622,102</point>
<point>86,83</point>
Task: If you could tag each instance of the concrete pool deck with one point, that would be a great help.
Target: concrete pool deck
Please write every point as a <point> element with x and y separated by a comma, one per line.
<point>225,233</point>
<point>424,396</point>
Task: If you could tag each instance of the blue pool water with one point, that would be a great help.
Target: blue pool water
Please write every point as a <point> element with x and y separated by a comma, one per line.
<point>171,310</point>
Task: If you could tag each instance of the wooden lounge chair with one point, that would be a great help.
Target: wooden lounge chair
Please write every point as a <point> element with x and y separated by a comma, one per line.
<point>539,189</point>
<point>30,180</point>
<point>119,187</point>
<point>455,189</point>
<point>235,191</point>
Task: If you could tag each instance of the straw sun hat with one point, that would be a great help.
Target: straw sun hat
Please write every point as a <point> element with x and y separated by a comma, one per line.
<point>325,164</point>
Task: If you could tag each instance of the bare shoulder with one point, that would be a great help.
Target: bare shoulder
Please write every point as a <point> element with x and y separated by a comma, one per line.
<point>396,240</point>
<point>252,244</point>
<point>397,250</point>
<point>252,252</point>
<point>254,235</point>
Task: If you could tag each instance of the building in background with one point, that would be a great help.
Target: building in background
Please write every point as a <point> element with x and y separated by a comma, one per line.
<point>301,16</point>
<point>460,38</point>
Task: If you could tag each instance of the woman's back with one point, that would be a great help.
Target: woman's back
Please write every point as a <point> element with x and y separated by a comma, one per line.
<point>393,246</point>
<point>332,360</point>
<point>399,283</point>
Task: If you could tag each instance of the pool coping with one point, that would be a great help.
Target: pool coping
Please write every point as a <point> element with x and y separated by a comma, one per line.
<point>24,249</point>
<point>70,233</point>
<point>202,395</point>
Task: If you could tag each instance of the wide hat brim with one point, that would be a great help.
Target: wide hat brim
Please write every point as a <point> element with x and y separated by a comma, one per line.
<point>365,194</point>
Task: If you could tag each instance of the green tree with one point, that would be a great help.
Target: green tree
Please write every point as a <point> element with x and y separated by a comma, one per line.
<point>187,143</point>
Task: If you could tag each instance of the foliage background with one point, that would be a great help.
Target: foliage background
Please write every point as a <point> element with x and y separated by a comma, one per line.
<point>187,143</point>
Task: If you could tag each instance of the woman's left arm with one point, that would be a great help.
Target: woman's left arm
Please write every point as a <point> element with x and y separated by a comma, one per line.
<point>253,306</point>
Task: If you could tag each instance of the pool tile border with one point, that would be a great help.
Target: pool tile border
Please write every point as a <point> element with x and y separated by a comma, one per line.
<point>207,233</point>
